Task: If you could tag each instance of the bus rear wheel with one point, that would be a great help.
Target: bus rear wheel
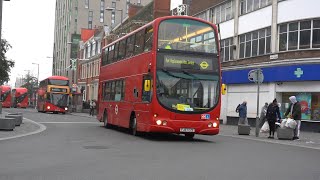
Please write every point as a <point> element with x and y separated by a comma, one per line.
<point>105,120</point>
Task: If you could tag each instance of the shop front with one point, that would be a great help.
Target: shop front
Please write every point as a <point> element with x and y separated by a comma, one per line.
<point>281,82</point>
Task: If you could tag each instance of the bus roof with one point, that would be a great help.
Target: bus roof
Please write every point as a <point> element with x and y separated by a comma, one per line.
<point>5,88</point>
<point>20,89</point>
<point>154,22</point>
<point>57,78</point>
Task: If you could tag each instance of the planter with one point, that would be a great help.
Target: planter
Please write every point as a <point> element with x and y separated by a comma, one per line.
<point>7,124</point>
<point>18,119</point>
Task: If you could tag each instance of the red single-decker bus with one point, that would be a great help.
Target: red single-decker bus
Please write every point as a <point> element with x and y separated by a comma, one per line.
<point>20,97</point>
<point>163,77</point>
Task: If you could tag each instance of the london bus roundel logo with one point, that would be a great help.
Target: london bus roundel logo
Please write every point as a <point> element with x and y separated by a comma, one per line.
<point>116,109</point>
<point>204,65</point>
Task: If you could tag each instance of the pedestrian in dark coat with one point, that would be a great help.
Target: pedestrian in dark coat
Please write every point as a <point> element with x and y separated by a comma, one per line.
<point>273,114</point>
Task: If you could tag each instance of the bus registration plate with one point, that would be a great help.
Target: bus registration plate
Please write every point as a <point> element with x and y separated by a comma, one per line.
<point>187,130</point>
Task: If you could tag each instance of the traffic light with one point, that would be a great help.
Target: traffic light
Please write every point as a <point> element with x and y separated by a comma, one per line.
<point>223,89</point>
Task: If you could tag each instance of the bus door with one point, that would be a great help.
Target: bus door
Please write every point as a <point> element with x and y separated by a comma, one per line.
<point>143,106</point>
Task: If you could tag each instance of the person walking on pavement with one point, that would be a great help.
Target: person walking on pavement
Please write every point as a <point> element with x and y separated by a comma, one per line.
<point>242,110</point>
<point>294,111</point>
<point>263,114</point>
<point>92,107</point>
<point>273,114</point>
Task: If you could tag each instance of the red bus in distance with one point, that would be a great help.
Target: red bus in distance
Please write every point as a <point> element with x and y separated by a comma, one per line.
<point>53,95</point>
<point>20,97</point>
<point>163,77</point>
<point>5,97</point>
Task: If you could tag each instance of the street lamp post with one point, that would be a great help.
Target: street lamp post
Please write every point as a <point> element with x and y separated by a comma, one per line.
<point>37,84</point>
<point>1,3</point>
<point>112,9</point>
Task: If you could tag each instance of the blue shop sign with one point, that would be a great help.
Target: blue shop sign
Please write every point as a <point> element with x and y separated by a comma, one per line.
<point>307,72</point>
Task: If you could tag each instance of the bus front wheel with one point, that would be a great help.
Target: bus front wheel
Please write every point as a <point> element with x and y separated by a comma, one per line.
<point>105,120</point>
<point>134,126</point>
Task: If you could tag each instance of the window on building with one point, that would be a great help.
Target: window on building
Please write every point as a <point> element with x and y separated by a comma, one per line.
<point>113,18</point>
<point>255,43</point>
<point>299,35</point>
<point>102,9</point>
<point>90,19</point>
<point>127,6</point>
<point>86,4</point>
<point>113,5</point>
<point>226,49</point>
<point>247,6</point>
<point>316,34</point>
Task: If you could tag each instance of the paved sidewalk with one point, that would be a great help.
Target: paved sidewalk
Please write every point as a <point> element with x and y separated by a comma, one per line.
<point>83,115</point>
<point>26,127</point>
<point>307,139</point>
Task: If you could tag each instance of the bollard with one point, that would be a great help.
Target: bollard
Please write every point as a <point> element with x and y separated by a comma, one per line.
<point>0,107</point>
<point>244,129</point>
<point>7,124</point>
<point>18,119</point>
<point>285,133</point>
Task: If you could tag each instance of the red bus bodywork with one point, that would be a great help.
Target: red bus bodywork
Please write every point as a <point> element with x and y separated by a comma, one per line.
<point>20,97</point>
<point>47,91</point>
<point>150,116</point>
<point>5,96</point>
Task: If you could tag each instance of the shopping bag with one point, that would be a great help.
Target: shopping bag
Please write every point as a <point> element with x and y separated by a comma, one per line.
<point>291,123</point>
<point>283,123</point>
<point>265,127</point>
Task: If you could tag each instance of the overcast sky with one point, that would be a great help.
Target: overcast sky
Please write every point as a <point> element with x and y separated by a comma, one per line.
<point>28,25</point>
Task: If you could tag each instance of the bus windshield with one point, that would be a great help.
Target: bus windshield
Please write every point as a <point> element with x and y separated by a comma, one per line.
<point>5,95</point>
<point>186,35</point>
<point>184,91</point>
<point>60,100</point>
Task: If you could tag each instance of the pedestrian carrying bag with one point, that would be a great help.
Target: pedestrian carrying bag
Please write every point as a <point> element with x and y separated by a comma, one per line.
<point>265,127</point>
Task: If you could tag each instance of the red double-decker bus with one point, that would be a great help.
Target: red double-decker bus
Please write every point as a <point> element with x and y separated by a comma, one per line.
<point>20,97</point>
<point>163,77</point>
<point>5,97</point>
<point>53,95</point>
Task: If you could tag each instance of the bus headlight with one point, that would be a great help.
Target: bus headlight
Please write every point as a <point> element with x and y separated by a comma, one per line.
<point>159,122</point>
<point>66,108</point>
<point>215,124</point>
<point>209,124</point>
<point>48,107</point>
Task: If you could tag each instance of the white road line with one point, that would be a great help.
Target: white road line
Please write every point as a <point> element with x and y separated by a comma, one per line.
<point>274,142</point>
<point>69,122</point>
<point>41,128</point>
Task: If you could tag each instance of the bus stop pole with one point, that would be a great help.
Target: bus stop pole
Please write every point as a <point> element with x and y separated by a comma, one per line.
<point>258,93</point>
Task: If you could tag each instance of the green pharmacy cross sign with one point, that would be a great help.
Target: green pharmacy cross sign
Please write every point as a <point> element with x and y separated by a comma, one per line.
<point>298,72</point>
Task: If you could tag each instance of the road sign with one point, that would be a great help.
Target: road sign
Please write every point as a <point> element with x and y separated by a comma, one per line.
<point>256,76</point>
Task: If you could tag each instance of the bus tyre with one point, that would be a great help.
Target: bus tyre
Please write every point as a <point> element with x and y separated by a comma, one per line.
<point>105,120</point>
<point>189,135</point>
<point>134,126</point>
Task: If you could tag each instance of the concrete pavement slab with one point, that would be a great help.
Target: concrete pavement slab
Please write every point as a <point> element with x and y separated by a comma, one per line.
<point>307,139</point>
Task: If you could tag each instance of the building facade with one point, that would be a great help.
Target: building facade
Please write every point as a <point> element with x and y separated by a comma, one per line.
<point>281,37</point>
<point>72,15</point>
<point>89,66</point>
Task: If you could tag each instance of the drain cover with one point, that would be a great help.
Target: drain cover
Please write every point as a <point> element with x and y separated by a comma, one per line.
<point>96,147</point>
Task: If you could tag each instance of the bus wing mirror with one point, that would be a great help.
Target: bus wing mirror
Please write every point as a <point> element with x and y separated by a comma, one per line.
<point>223,89</point>
<point>147,85</point>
